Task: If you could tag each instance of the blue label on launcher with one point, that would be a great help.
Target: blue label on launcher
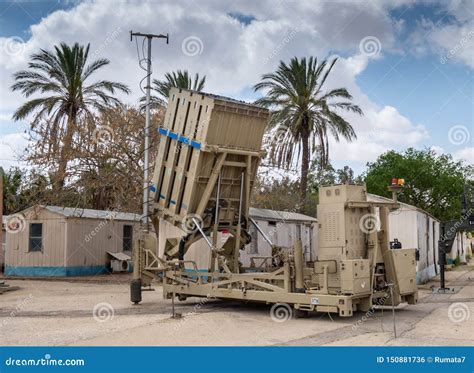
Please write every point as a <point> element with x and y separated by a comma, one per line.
<point>182,139</point>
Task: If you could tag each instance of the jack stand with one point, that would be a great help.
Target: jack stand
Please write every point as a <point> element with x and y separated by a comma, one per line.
<point>174,315</point>
<point>390,286</point>
<point>442,289</point>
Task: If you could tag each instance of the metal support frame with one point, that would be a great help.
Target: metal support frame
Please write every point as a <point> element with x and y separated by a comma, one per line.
<point>273,287</point>
<point>265,237</point>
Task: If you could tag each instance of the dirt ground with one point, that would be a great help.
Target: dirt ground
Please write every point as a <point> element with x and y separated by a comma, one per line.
<point>97,311</point>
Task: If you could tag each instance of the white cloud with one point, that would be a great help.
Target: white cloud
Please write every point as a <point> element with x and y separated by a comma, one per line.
<point>456,43</point>
<point>234,56</point>
<point>466,154</point>
<point>451,38</point>
<point>379,130</point>
<point>233,53</point>
<point>11,147</point>
<point>437,149</point>
<point>5,117</point>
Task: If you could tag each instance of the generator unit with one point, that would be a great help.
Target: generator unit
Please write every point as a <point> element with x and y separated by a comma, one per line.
<point>204,173</point>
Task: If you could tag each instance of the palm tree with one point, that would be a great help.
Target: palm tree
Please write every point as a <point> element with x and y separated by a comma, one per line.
<point>178,79</point>
<point>59,79</point>
<point>304,115</point>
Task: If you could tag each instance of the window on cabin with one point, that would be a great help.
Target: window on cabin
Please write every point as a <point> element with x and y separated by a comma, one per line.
<point>127,238</point>
<point>36,237</point>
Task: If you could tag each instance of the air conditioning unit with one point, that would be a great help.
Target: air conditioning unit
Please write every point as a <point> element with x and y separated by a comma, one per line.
<point>121,265</point>
<point>120,262</point>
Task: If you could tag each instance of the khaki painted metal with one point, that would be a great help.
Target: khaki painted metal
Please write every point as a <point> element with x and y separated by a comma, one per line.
<point>205,166</point>
<point>205,136</point>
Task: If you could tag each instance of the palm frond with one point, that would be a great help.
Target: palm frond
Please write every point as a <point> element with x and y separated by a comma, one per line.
<point>294,92</point>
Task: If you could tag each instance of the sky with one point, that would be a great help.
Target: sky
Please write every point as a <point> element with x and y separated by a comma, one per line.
<point>408,64</point>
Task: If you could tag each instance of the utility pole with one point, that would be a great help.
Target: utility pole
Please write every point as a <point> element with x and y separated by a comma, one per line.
<point>146,166</point>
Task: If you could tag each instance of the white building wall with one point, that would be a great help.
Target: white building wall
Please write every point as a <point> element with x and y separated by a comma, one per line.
<point>89,240</point>
<point>427,266</point>
<point>416,229</point>
<point>2,249</point>
<point>403,226</point>
<point>470,244</point>
<point>460,247</point>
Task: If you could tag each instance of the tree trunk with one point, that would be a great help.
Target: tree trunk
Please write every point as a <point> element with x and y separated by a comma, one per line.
<point>304,166</point>
<point>65,151</point>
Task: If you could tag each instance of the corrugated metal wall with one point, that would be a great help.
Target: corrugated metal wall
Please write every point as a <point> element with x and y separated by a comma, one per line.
<point>90,239</point>
<point>17,250</point>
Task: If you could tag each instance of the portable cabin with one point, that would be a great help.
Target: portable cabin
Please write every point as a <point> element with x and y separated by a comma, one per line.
<point>415,228</point>
<point>66,241</point>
